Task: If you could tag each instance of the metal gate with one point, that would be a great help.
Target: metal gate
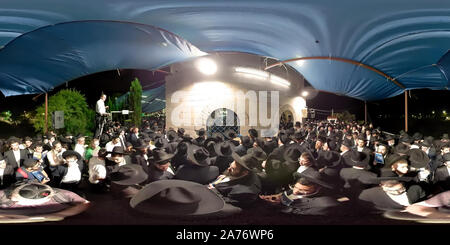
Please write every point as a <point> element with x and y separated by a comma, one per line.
<point>221,120</point>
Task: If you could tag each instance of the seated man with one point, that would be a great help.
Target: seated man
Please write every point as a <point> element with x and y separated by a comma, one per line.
<point>239,185</point>
<point>308,196</point>
<point>159,168</point>
<point>6,173</point>
<point>392,194</point>
<point>97,171</point>
<point>68,174</point>
<point>31,171</point>
<point>197,168</point>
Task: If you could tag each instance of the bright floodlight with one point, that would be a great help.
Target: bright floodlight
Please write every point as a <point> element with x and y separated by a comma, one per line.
<point>305,93</point>
<point>206,66</point>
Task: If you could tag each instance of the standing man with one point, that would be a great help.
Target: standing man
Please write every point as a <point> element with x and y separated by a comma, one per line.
<point>100,111</point>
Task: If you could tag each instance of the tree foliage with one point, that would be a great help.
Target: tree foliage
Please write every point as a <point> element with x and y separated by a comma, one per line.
<point>345,116</point>
<point>78,117</point>
<point>135,101</point>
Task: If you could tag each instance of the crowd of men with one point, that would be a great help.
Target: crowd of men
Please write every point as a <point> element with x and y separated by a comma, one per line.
<point>314,168</point>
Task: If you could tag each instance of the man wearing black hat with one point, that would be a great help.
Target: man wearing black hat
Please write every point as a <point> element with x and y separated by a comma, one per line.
<point>308,196</point>
<point>356,177</point>
<point>223,159</point>
<point>441,176</point>
<point>159,168</point>
<point>239,185</point>
<point>118,157</point>
<point>68,174</point>
<point>134,137</point>
<point>201,137</point>
<point>115,142</point>
<point>197,168</point>
<point>246,143</point>
<point>392,194</point>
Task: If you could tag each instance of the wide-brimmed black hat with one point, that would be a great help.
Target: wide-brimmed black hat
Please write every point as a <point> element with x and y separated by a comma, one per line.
<point>172,135</point>
<point>224,148</point>
<point>161,157</point>
<point>198,155</point>
<point>230,134</point>
<point>292,155</point>
<point>426,143</point>
<point>129,174</point>
<point>389,137</point>
<point>161,142</point>
<point>299,136</point>
<point>406,139</point>
<point>328,158</point>
<point>378,180</point>
<point>393,158</point>
<point>446,157</point>
<point>209,145</point>
<point>201,132</point>
<point>247,141</point>
<point>401,148</point>
<point>70,153</point>
<point>180,131</point>
<point>257,153</point>
<point>313,177</point>
<point>253,133</point>
<point>383,142</point>
<point>417,136</point>
<point>218,136</point>
<point>177,198</point>
<point>118,150</point>
<point>246,161</point>
<point>445,137</point>
<point>284,138</point>
<point>418,158</point>
<point>357,159</point>
<point>348,143</point>
<point>141,145</point>
<point>298,124</point>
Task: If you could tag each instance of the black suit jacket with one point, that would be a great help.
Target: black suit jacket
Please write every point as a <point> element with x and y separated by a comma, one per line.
<point>376,198</point>
<point>241,192</point>
<point>9,155</point>
<point>134,140</point>
<point>356,180</point>
<point>199,174</point>
<point>442,178</point>
<point>222,162</point>
<point>241,150</point>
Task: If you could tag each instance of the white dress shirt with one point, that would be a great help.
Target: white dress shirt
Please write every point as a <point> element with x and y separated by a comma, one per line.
<point>17,157</point>
<point>100,107</point>
<point>401,199</point>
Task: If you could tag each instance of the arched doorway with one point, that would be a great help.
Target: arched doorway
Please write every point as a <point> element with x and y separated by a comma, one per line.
<point>221,120</point>
<point>286,119</point>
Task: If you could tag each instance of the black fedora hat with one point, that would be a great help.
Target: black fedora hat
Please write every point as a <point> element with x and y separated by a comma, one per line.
<point>129,174</point>
<point>172,135</point>
<point>313,177</point>
<point>418,158</point>
<point>328,158</point>
<point>348,143</point>
<point>298,124</point>
<point>161,142</point>
<point>177,198</point>
<point>161,157</point>
<point>406,139</point>
<point>292,155</point>
<point>218,136</point>
<point>70,153</point>
<point>201,132</point>
<point>284,138</point>
<point>118,150</point>
<point>180,131</point>
<point>198,155</point>
<point>395,158</point>
<point>246,161</point>
<point>299,136</point>
<point>401,148</point>
<point>253,133</point>
<point>357,159</point>
<point>141,145</point>
<point>257,153</point>
<point>247,141</point>
<point>389,137</point>
<point>379,180</point>
<point>230,134</point>
<point>417,136</point>
<point>445,137</point>
<point>224,148</point>
<point>209,145</point>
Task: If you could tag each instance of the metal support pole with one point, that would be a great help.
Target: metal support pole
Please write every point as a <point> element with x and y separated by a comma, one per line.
<point>365,112</point>
<point>406,111</point>
<point>46,113</point>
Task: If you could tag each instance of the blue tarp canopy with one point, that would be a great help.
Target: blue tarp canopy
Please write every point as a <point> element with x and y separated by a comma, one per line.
<point>404,40</point>
<point>153,99</point>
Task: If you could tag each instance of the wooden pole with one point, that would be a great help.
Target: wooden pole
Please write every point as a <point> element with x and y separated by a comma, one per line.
<point>365,112</point>
<point>46,113</point>
<point>406,111</point>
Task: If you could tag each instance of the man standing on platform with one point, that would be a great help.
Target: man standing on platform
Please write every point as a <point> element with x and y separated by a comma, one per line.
<point>100,111</point>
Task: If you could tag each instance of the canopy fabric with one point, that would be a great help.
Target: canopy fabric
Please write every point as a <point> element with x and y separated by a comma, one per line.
<point>47,57</point>
<point>404,39</point>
